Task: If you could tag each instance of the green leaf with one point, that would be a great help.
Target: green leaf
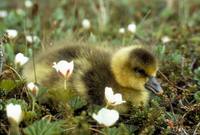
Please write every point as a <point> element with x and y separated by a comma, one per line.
<point>111,131</point>
<point>23,104</point>
<point>92,38</point>
<point>59,14</point>
<point>44,127</point>
<point>29,116</point>
<point>41,92</point>
<point>160,51</point>
<point>197,75</point>
<point>77,102</point>
<point>166,13</point>
<point>121,130</point>
<point>14,19</point>
<point>7,85</point>
<point>197,96</point>
<point>9,52</point>
<point>175,57</point>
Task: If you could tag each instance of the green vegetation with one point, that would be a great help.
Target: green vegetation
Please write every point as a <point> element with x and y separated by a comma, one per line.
<point>177,111</point>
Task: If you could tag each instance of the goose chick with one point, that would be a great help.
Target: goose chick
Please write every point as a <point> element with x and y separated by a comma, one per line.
<point>130,71</point>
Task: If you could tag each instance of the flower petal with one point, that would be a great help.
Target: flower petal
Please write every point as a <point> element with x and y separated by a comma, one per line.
<point>33,88</point>
<point>21,59</point>
<point>113,99</point>
<point>86,24</point>
<point>106,117</point>
<point>14,112</point>
<point>109,94</point>
<point>64,68</point>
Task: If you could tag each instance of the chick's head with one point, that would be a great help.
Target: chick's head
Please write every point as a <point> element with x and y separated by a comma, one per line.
<point>135,68</point>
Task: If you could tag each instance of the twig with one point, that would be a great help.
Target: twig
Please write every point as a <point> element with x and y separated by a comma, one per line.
<point>142,21</point>
<point>70,129</point>
<point>171,83</point>
<point>3,40</point>
<point>98,131</point>
<point>4,128</point>
<point>195,131</point>
<point>181,103</point>
<point>184,131</point>
<point>14,72</point>
<point>182,66</point>
<point>1,57</point>
<point>172,109</point>
<point>145,17</point>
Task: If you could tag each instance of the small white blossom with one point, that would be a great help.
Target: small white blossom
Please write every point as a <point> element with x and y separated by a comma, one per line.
<point>86,24</point>
<point>20,12</point>
<point>3,13</point>
<point>12,33</point>
<point>21,59</point>
<point>64,68</point>
<point>106,117</point>
<point>165,39</point>
<point>113,99</point>
<point>14,112</point>
<point>132,27</point>
<point>121,30</point>
<point>32,39</point>
<point>33,88</point>
<point>28,3</point>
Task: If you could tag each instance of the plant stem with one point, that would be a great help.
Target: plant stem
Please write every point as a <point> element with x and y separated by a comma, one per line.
<point>33,104</point>
<point>65,84</point>
<point>123,40</point>
<point>18,75</point>
<point>34,68</point>
<point>14,130</point>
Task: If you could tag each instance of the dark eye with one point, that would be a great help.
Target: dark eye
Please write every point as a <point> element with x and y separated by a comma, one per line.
<point>140,71</point>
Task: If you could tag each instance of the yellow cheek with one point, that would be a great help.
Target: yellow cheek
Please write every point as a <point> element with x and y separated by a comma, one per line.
<point>152,71</point>
<point>138,83</point>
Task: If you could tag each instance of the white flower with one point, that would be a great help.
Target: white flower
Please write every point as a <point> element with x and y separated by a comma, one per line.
<point>20,12</point>
<point>14,112</point>
<point>28,3</point>
<point>21,59</point>
<point>32,39</point>
<point>33,88</point>
<point>113,99</point>
<point>11,33</point>
<point>86,24</point>
<point>3,13</point>
<point>121,30</point>
<point>64,68</point>
<point>132,27</point>
<point>165,39</point>
<point>106,117</point>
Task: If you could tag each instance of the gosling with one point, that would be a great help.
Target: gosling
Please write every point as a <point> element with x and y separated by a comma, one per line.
<point>129,70</point>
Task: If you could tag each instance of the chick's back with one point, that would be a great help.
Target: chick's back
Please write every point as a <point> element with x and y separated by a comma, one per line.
<point>91,73</point>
